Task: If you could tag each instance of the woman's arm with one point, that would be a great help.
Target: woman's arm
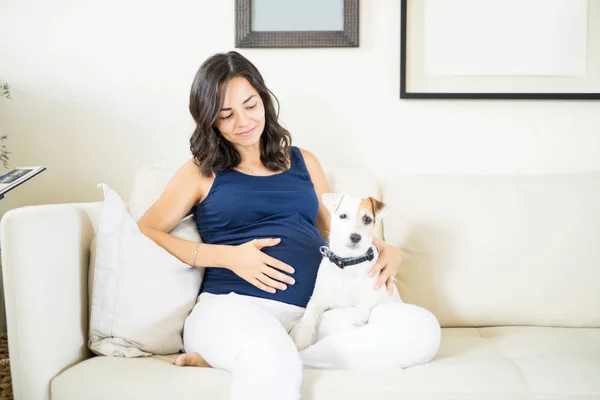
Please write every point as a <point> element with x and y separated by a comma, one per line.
<point>185,190</point>
<point>319,180</point>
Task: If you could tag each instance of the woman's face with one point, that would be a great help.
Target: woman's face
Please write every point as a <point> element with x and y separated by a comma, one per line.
<point>241,119</point>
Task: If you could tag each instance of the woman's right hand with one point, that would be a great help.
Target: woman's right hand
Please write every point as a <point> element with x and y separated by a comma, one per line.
<point>258,268</point>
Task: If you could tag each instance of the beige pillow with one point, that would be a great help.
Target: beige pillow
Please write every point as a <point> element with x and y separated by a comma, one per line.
<point>139,293</point>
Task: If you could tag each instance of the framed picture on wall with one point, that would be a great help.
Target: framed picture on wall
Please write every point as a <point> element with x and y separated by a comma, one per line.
<point>500,49</point>
<point>296,23</point>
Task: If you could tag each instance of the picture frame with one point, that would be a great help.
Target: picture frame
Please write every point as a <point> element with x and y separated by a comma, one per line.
<point>415,83</point>
<point>247,37</point>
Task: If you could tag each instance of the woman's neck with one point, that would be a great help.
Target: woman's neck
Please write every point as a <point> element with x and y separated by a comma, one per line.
<point>250,155</point>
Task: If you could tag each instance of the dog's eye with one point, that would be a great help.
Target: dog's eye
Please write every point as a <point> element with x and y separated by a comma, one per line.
<point>367,220</point>
<point>343,216</point>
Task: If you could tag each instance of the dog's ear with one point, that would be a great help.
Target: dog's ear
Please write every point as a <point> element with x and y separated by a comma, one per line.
<point>332,201</point>
<point>380,209</point>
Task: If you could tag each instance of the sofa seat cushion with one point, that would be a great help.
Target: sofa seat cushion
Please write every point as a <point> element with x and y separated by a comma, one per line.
<point>514,362</point>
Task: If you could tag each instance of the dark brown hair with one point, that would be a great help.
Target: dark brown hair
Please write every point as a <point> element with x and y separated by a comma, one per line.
<point>211,151</point>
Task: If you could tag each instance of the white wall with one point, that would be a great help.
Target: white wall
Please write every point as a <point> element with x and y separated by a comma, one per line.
<point>101,88</point>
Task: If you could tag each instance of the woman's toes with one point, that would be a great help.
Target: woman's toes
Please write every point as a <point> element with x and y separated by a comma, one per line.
<point>190,360</point>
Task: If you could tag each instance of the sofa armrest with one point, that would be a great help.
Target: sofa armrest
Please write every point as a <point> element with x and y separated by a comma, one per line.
<point>45,258</point>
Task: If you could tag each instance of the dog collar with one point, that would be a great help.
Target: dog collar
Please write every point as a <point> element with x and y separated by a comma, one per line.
<point>344,262</point>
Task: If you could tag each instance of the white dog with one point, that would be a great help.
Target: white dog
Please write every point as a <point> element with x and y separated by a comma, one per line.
<point>342,280</point>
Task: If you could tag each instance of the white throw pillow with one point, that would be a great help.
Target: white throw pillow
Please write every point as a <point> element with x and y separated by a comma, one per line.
<point>140,294</point>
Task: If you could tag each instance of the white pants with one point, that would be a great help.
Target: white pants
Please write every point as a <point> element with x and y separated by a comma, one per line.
<point>249,337</point>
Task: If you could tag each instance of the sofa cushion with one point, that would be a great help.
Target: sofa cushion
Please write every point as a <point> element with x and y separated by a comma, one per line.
<point>500,250</point>
<point>139,293</point>
<point>148,184</point>
<point>505,362</point>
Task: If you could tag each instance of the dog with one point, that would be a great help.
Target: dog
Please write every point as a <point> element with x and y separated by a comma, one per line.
<point>342,278</point>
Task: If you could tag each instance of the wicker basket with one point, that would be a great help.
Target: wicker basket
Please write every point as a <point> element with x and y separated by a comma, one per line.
<point>6,392</point>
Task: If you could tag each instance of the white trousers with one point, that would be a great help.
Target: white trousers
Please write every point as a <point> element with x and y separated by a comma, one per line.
<point>249,337</point>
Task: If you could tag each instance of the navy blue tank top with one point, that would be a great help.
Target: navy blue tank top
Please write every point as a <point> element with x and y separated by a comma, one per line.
<point>241,207</point>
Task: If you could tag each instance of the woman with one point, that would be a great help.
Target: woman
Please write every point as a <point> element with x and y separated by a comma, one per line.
<point>257,203</point>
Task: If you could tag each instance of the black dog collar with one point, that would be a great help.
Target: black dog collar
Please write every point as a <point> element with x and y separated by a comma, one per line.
<point>344,262</point>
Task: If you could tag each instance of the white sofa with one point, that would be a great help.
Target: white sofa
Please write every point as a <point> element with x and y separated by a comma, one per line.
<point>510,265</point>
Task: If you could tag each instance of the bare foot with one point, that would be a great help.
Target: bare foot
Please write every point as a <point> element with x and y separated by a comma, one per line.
<point>190,360</point>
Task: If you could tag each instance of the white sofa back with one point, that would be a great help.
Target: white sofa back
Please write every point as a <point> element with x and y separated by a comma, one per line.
<point>501,250</point>
<point>482,250</point>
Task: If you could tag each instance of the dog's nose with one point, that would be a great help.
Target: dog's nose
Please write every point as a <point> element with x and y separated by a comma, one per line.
<point>355,238</point>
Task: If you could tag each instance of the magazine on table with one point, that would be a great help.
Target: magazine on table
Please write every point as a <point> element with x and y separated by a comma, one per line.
<point>16,177</point>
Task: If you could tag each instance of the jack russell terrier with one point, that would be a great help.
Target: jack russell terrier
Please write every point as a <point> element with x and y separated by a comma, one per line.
<point>342,279</point>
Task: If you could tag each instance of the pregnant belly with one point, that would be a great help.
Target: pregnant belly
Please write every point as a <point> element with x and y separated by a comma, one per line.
<point>299,245</point>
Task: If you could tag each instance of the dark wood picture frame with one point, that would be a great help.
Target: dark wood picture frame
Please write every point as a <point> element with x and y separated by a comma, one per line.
<point>407,94</point>
<point>245,37</point>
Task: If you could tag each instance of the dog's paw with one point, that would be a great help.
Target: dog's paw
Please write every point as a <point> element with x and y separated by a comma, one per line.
<point>361,316</point>
<point>303,337</point>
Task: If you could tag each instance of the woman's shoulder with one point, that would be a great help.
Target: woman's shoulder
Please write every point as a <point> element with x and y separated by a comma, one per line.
<point>309,158</point>
<point>312,164</point>
<point>190,176</point>
<point>191,170</point>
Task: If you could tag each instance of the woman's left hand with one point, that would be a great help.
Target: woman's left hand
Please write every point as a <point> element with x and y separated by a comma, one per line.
<point>388,265</point>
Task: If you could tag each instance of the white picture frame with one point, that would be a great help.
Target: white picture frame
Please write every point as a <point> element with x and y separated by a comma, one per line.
<point>416,83</point>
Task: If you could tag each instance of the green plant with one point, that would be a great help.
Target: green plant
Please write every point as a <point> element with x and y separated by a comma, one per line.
<point>4,154</point>
<point>5,90</point>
